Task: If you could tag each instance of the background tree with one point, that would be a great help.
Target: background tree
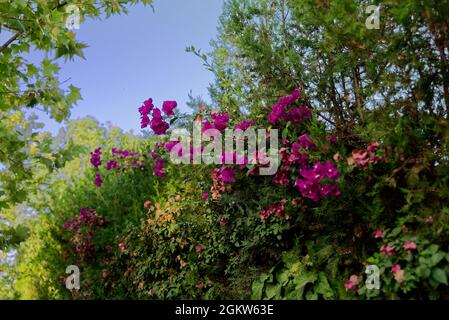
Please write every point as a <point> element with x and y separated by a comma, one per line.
<point>39,26</point>
<point>347,70</point>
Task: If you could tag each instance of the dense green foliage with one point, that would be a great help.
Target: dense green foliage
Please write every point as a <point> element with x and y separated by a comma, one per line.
<point>379,100</point>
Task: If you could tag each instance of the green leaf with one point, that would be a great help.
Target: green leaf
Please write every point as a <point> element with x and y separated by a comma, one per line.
<point>439,275</point>
<point>437,257</point>
<point>257,287</point>
<point>273,291</point>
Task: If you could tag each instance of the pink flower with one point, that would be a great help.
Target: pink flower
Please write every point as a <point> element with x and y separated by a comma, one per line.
<point>378,233</point>
<point>409,246</point>
<point>276,209</point>
<point>144,121</point>
<point>205,196</point>
<point>157,124</point>
<point>373,146</point>
<point>112,164</point>
<point>398,273</point>
<point>277,112</point>
<point>308,189</point>
<point>227,174</point>
<point>361,157</point>
<point>146,107</point>
<point>220,120</point>
<point>147,204</point>
<point>206,126</point>
<point>327,190</point>
<point>168,106</point>
<point>281,178</point>
<point>306,141</point>
<point>95,157</point>
<point>159,168</point>
<point>388,250</point>
<point>296,115</point>
<point>351,283</point>
<point>244,125</point>
<point>98,180</point>
<point>327,169</point>
<point>313,175</point>
<point>122,247</point>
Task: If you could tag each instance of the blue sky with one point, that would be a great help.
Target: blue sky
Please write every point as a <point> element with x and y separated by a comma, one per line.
<point>140,55</point>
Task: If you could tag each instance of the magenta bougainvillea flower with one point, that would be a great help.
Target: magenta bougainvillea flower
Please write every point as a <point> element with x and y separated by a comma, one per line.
<point>112,164</point>
<point>310,186</point>
<point>168,106</point>
<point>306,141</point>
<point>281,178</point>
<point>206,125</point>
<point>205,196</point>
<point>220,120</point>
<point>277,113</point>
<point>124,153</point>
<point>157,124</point>
<point>312,175</point>
<point>328,189</point>
<point>146,107</point>
<point>159,168</point>
<point>98,180</point>
<point>144,121</point>
<point>327,169</point>
<point>227,174</point>
<point>308,189</point>
<point>144,110</point>
<point>95,158</point>
<point>244,125</point>
<point>388,250</point>
<point>297,115</point>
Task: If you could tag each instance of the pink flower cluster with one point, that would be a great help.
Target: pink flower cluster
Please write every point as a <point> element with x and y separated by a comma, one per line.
<point>95,157</point>
<point>159,168</point>
<point>311,187</point>
<point>398,273</point>
<point>220,122</point>
<point>227,174</point>
<point>84,228</point>
<point>294,115</point>
<point>390,249</point>
<point>277,210</point>
<point>220,176</point>
<point>156,123</point>
<point>118,156</point>
<point>362,158</point>
<point>98,180</point>
<point>244,125</point>
<point>352,283</point>
<point>95,160</point>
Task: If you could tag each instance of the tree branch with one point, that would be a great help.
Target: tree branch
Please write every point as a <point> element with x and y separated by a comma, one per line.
<point>10,40</point>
